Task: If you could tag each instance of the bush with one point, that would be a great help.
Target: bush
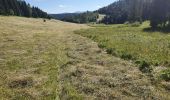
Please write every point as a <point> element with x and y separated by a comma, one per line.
<point>165,75</point>
<point>144,67</point>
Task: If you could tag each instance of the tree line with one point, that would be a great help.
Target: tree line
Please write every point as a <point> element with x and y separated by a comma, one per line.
<point>85,17</point>
<point>20,8</point>
<point>157,11</point>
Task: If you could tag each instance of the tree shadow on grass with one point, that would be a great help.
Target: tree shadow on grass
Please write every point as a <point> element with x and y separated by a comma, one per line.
<point>165,30</point>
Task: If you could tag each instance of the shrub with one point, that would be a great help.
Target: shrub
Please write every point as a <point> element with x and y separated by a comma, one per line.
<point>165,75</point>
<point>145,67</point>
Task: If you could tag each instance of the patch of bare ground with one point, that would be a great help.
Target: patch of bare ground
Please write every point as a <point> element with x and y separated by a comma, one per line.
<point>93,74</point>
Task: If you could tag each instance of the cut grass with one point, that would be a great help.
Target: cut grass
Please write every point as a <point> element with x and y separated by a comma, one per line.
<point>132,43</point>
<point>30,56</point>
<point>46,61</point>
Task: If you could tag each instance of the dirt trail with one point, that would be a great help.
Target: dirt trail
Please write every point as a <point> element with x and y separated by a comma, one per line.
<point>93,74</point>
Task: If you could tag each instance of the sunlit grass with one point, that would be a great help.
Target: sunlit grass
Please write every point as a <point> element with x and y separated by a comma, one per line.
<point>31,53</point>
<point>134,42</point>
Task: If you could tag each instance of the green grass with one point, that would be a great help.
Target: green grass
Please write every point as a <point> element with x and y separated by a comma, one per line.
<point>132,43</point>
<point>46,61</point>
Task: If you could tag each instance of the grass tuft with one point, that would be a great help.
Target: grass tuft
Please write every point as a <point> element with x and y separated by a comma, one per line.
<point>165,75</point>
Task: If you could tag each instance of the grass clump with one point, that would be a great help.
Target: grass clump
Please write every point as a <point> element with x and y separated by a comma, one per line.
<point>145,67</point>
<point>21,83</point>
<point>70,93</point>
<point>126,56</point>
<point>101,45</point>
<point>165,75</point>
<point>110,50</point>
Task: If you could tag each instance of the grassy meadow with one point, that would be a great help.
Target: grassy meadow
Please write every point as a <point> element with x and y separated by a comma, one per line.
<point>47,61</point>
<point>134,42</point>
<point>31,53</point>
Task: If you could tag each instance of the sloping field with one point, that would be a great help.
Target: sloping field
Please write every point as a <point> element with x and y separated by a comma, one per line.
<point>31,52</point>
<point>46,61</point>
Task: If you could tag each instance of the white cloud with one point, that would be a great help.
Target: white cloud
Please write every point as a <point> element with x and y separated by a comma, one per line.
<point>99,6</point>
<point>62,6</point>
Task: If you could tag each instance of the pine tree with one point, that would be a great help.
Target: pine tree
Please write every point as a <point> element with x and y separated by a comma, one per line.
<point>20,8</point>
<point>160,13</point>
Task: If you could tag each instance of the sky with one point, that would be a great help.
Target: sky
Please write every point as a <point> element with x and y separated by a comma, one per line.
<point>69,6</point>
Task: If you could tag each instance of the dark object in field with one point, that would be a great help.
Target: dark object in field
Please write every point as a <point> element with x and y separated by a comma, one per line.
<point>44,20</point>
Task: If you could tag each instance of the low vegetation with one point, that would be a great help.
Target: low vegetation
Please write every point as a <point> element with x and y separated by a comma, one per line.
<point>46,61</point>
<point>165,74</point>
<point>30,56</point>
<point>133,43</point>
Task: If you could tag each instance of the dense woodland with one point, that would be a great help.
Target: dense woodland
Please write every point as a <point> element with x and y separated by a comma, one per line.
<point>126,10</point>
<point>20,8</point>
<point>63,15</point>
<point>157,11</point>
<point>85,17</point>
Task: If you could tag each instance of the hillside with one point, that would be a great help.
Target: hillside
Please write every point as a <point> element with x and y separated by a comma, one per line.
<point>85,17</point>
<point>20,8</point>
<point>45,60</point>
<point>118,12</point>
<point>127,10</point>
<point>63,15</point>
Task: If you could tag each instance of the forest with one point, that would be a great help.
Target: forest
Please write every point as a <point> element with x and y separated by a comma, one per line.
<point>127,11</point>
<point>20,8</point>
<point>84,17</point>
<point>157,11</point>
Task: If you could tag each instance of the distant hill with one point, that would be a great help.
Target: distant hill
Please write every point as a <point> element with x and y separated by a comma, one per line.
<point>117,12</point>
<point>79,17</point>
<point>63,15</point>
<point>20,8</point>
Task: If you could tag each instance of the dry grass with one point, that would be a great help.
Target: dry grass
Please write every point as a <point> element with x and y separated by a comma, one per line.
<point>46,61</point>
<point>93,74</point>
<point>30,55</point>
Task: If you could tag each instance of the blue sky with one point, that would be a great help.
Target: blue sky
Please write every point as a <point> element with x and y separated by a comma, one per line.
<point>62,6</point>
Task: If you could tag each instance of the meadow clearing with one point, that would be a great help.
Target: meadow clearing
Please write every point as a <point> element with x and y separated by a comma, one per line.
<point>30,56</point>
<point>47,61</point>
<point>148,48</point>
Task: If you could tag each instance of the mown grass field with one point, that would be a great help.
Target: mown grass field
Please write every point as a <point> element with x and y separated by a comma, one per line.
<point>30,56</point>
<point>47,61</point>
<point>132,43</point>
